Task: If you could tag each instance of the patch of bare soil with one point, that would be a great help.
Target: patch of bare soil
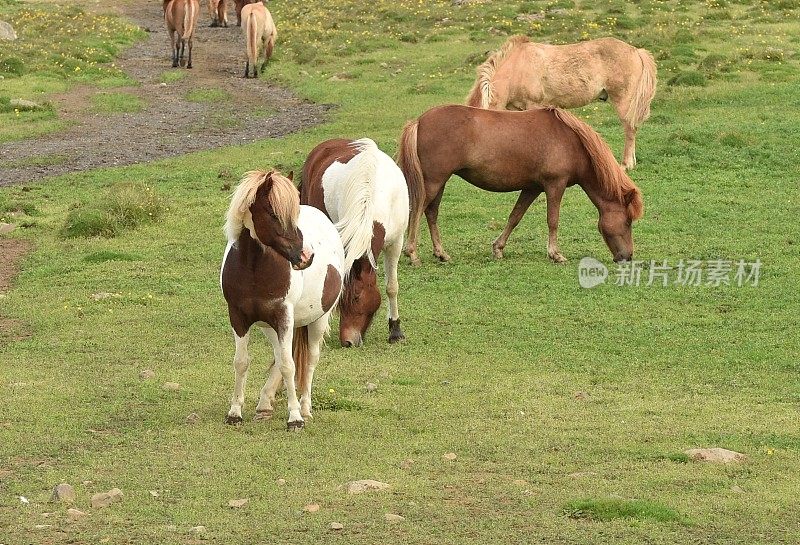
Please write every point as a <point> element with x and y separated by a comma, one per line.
<point>11,253</point>
<point>169,124</point>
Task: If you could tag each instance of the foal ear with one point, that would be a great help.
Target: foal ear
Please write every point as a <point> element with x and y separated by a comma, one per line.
<point>291,175</point>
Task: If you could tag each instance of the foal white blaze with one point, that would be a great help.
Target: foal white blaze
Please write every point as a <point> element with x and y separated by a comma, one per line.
<point>302,306</point>
<point>369,188</point>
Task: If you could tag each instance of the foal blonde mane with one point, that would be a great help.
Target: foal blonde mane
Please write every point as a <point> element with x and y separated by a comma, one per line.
<point>614,182</point>
<point>481,93</point>
<point>283,199</point>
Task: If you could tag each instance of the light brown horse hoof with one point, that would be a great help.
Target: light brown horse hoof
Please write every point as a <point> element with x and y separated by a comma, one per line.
<point>260,416</point>
<point>296,425</point>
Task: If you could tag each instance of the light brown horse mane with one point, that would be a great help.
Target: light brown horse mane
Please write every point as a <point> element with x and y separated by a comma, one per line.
<point>613,180</point>
<point>283,198</point>
<point>481,93</point>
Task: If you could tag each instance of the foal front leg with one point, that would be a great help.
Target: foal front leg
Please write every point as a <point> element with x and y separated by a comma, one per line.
<point>241,363</point>
<point>553,206</point>
<point>526,197</point>
<point>391,258</point>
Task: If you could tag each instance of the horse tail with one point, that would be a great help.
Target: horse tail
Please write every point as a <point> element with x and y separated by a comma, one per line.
<point>482,91</point>
<point>300,354</point>
<point>188,19</point>
<point>613,180</point>
<point>252,39</point>
<point>408,160</point>
<point>357,209</point>
<point>639,108</point>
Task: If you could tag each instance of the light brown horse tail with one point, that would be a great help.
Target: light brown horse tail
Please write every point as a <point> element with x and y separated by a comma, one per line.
<point>408,161</point>
<point>480,96</point>
<point>614,181</point>
<point>189,18</point>
<point>252,39</point>
<point>639,108</point>
<point>300,354</point>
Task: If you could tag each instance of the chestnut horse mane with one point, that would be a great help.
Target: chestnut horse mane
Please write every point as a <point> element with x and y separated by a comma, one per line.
<point>614,181</point>
<point>283,198</point>
<point>481,93</point>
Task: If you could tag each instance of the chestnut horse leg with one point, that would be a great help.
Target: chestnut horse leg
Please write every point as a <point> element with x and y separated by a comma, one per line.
<point>173,48</point>
<point>432,215</point>
<point>190,53</point>
<point>241,363</point>
<point>433,186</point>
<point>391,257</point>
<point>247,68</point>
<point>554,194</point>
<point>526,197</point>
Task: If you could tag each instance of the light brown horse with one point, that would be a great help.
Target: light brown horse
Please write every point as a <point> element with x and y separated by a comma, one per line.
<point>260,33</point>
<point>533,151</point>
<point>238,5</point>
<point>181,18</point>
<point>218,9</point>
<point>522,75</point>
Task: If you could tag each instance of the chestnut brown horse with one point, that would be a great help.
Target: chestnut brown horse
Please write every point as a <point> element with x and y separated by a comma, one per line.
<point>361,189</point>
<point>523,75</point>
<point>218,9</point>
<point>181,19</point>
<point>238,5</point>
<point>533,151</point>
<point>282,271</point>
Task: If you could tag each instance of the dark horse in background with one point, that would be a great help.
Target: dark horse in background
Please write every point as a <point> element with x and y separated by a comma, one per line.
<point>533,151</point>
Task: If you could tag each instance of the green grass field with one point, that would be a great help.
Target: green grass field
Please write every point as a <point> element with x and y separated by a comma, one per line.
<point>568,409</point>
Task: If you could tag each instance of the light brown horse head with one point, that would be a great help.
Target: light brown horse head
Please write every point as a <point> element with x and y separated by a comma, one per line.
<point>272,219</point>
<point>616,221</point>
<point>360,301</point>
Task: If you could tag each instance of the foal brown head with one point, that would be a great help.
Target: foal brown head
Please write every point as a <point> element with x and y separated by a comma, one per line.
<point>268,205</point>
<point>360,301</point>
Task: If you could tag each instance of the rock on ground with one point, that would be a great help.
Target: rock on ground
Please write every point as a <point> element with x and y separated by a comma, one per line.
<point>64,493</point>
<point>6,228</point>
<point>193,418</point>
<point>449,456</point>
<point>75,514</point>
<point>7,32</point>
<point>116,494</point>
<point>364,485</point>
<point>22,104</point>
<point>101,499</point>
<point>147,374</point>
<point>715,455</point>
<point>311,508</point>
<point>391,517</point>
<point>171,386</point>
<point>236,504</point>
<point>336,526</point>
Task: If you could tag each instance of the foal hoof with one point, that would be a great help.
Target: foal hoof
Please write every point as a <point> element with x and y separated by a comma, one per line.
<point>295,425</point>
<point>557,258</point>
<point>497,252</point>
<point>233,420</point>
<point>395,333</point>
<point>442,257</point>
<point>260,416</point>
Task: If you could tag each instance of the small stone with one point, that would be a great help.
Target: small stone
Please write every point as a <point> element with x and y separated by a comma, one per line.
<point>365,485</point>
<point>43,526</point>
<point>6,228</point>
<point>75,514</point>
<point>715,455</point>
<point>24,500</point>
<point>311,508</point>
<point>336,526</point>
<point>22,104</point>
<point>449,457</point>
<point>154,493</point>
<point>582,396</point>
<point>171,386</point>
<point>579,474</point>
<point>99,296</point>
<point>101,499</point>
<point>63,493</point>
<point>737,489</point>
<point>391,517</point>
<point>519,482</point>
<point>303,72</point>
<point>147,374</point>
<point>530,17</point>
<point>7,32</point>
<point>116,495</point>
<point>281,482</point>
<point>163,84</point>
<point>197,530</point>
<point>237,504</point>
<point>193,418</point>
<point>371,387</point>
<point>407,463</point>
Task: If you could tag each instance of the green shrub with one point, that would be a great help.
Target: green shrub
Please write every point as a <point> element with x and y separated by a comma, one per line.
<point>123,206</point>
<point>610,508</point>
<point>688,78</point>
<point>12,66</point>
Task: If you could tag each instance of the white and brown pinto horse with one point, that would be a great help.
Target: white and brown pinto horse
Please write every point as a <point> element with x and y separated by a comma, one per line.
<point>364,193</point>
<point>523,75</point>
<point>282,271</point>
<point>181,19</point>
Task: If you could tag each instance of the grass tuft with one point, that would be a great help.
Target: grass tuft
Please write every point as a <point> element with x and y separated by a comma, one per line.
<point>206,95</point>
<point>606,509</point>
<point>123,206</point>
<point>117,103</point>
<point>688,78</point>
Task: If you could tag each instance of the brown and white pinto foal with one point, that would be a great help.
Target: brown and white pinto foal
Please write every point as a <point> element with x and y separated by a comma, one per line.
<point>361,189</point>
<point>535,151</point>
<point>181,18</point>
<point>282,271</point>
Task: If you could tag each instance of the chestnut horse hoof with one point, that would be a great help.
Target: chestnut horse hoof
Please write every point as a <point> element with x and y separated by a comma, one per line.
<point>295,425</point>
<point>233,420</point>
